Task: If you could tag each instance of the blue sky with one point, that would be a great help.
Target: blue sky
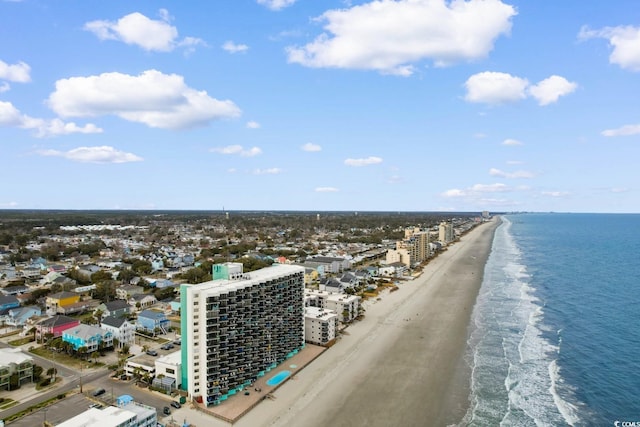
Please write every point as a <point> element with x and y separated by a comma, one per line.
<point>407,105</point>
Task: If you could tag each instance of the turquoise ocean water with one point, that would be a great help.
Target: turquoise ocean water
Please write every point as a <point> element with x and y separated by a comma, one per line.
<point>555,338</point>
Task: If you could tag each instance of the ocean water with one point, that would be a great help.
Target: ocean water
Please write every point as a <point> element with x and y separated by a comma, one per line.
<point>555,338</point>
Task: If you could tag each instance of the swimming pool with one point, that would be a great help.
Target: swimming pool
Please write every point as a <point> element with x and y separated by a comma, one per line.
<point>278,378</point>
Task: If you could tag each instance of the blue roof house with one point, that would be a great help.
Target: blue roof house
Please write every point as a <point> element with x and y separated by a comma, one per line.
<point>87,336</point>
<point>152,321</point>
<point>19,316</point>
<point>8,302</point>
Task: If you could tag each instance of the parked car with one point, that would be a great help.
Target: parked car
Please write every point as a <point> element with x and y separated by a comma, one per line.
<point>152,352</point>
<point>167,346</point>
<point>176,404</point>
<point>166,410</point>
<point>177,342</point>
<point>99,392</point>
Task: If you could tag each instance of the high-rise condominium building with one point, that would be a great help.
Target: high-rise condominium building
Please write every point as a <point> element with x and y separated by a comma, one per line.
<point>238,327</point>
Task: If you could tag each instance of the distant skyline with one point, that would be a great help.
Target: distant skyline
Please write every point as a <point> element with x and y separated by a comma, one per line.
<point>407,105</point>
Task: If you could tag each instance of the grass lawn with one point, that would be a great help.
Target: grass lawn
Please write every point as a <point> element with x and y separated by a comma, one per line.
<point>64,358</point>
<point>21,341</point>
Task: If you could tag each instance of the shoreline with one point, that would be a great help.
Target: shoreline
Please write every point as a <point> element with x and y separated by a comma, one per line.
<point>403,364</point>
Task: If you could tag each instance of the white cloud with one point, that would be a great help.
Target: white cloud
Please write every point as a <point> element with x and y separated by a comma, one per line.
<point>231,47</point>
<point>137,29</point>
<point>511,141</point>
<point>476,190</point>
<point>18,73</point>
<point>10,116</point>
<point>4,87</point>
<point>9,205</point>
<point>158,100</point>
<point>276,4</point>
<point>625,41</point>
<point>269,171</point>
<point>495,88</point>
<point>454,192</point>
<point>619,190</point>
<point>371,160</point>
<point>326,190</point>
<point>253,125</point>
<point>237,149</point>
<point>490,188</point>
<point>490,87</point>
<point>511,175</point>
<point>627,130</point>
<point>391,35</point>
<point>309,146</point>
<point>102,154</point>
<point>550,89</point>
<point>555,193</point>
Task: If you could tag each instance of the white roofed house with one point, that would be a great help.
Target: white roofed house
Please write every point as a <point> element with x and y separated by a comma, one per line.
<point>120,328</point>
<point>142,300</point>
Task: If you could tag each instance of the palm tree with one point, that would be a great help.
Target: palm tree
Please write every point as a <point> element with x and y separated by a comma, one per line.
<point>51,372</point>
<point>94,356</point>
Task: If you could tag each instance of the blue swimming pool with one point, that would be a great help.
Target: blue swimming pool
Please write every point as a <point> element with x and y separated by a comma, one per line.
<point>278,378</point>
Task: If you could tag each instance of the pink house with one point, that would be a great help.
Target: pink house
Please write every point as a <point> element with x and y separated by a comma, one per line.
<point>55,325</point>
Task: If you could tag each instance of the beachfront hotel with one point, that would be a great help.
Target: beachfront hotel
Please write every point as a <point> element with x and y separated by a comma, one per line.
<point>413,250</point>
<point>239,326</point>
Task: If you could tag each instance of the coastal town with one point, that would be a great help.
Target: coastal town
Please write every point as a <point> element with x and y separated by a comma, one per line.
<point>177,318</point>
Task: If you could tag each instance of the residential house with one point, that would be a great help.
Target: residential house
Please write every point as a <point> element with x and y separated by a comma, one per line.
<point>152,321</point>
<point>31,273</point>
<point>81,306</point>
<point>310,275</point>
<point>14,362</point>
<point>120,328</point>
<point>67,283</point>
<point>373,271</point>
<point>14,290</point>
<point>162,283</point>
<point>58,268</point>
<point>55,326</point>
<point>85,271</point>
<point>349,280</point>
<point>139,301</point>
<point>330,284</point>
<point>7,302</point>
<point>90,337</point>
<point>127,291</point>
<point>331,264</point>
<point>8,272</point>
<point>116,308</point>
<point>18,316</point>
<point>24,298</point>
<point>56,302</point>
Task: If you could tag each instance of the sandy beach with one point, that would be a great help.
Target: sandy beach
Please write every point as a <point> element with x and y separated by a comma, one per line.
<point>403,364</point>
